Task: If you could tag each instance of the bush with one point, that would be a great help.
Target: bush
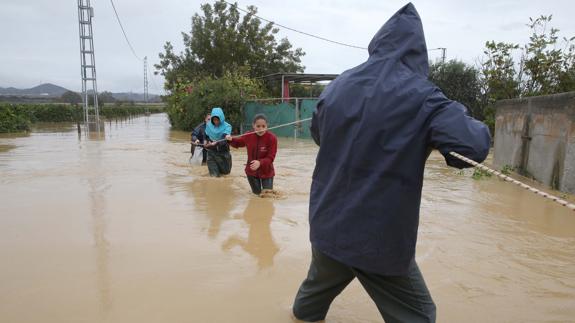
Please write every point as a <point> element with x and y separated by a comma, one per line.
<point>190,102</point>
<point>11,120</point>
<point>18,117</point>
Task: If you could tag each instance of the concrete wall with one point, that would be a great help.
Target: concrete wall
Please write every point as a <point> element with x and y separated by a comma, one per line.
<point>537,136</point>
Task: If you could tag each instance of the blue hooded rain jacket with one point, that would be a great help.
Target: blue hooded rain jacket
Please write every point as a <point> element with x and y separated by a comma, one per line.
<point>223,129</point>
<point>376,125</point>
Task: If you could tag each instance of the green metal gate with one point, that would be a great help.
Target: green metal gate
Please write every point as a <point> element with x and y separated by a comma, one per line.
<point>281,111</point>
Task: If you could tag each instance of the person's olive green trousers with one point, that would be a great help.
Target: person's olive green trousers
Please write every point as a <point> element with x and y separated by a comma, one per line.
<point>398,298</point>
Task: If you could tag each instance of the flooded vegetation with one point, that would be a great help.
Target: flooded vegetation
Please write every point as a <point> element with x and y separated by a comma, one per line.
<point>120,228</point>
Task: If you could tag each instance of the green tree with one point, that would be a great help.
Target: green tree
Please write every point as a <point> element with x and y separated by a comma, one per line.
<point>548,69</point>
<point>306,90</point>
<point>459,82</point>
<point>71,98</point>
<point>499,78</point>
<point>106,97</point>
<point>221,41</point>
<point>545,67</point>
<point>189,102</point>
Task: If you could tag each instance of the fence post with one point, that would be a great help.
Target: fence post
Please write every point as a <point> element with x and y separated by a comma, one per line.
<point>296,126</point>
<point>242,118</point>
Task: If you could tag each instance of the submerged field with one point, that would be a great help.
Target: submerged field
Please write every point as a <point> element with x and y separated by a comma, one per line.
<point>119,228</point>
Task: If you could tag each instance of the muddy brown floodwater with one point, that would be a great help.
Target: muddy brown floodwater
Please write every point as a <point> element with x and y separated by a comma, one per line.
<point>119,228</point>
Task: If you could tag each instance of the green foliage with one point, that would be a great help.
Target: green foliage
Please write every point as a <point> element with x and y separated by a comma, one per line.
<point>545,67</point>
<point>459,82</point>
<point>55,113</point>
<point>126,112</point>
<point>507,170</point>
<point>542,68</point>
<point>306,90</point>
<point>19,117</point>
<point>480,174</point>
<point>548,69</point>
<point>190,102</point>
<point>498,76</point>
<point>11,120</point>
<point>220,41</point>
<point>48,112</point>
<point>106,97</point>
<point>71,98</point>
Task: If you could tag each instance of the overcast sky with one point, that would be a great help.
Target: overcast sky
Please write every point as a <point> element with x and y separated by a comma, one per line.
<point>39,41</point>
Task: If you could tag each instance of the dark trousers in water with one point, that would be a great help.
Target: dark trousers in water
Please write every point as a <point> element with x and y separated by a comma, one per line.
<point>398,298</point>
<point>204,156</point>
<point>219,163</point>
<point>257,184</point>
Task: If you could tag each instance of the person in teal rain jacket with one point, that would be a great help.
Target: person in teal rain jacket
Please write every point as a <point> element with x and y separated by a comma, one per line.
<point>219,158</point>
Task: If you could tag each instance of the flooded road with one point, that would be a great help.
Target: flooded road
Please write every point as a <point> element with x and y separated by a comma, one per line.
<point>119,228</point>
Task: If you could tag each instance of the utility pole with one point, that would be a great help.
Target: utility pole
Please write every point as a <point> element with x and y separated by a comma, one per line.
<point>146,79</point>
<point>443,53</point>
<point>88,64</point>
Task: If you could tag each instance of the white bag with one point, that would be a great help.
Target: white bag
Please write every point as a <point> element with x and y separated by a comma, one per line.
<point>196,159</point>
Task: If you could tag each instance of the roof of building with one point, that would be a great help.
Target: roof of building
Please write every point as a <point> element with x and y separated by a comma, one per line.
<point>300,77</point>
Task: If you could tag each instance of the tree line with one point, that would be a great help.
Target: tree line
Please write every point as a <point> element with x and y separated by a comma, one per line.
<point>225,54</point>
<point>545,65</point>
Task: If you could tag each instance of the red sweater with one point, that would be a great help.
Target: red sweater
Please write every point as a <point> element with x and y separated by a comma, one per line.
<point>262,148</point>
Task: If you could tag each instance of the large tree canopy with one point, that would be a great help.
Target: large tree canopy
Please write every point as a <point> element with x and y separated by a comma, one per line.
<point>459,82</point>
<point>222,41</point>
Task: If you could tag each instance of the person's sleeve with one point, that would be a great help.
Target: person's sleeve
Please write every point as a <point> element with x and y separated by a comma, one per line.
<point>227,131</point>
<point>228,128</point>
<point>314,128</point>
<point>238,142</point>
<point>269,159</point>
<point>195,133</point>
<point>451,129</point>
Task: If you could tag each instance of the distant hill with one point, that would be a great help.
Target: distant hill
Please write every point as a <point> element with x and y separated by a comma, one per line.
<point>45,90</point>
<point>51,91</point>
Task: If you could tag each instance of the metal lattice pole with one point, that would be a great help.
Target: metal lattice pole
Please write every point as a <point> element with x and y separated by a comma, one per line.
<point>88,64</point>
<point>146,79</point>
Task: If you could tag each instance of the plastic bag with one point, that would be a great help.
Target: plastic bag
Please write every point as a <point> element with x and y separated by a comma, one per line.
<point>196,159</point>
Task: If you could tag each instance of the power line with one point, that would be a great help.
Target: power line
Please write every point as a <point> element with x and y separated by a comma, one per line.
<point>297,31</point>
<point>311,35</point>
<point>123,31</point>
<point>146,70</point>
<point>159,90</point>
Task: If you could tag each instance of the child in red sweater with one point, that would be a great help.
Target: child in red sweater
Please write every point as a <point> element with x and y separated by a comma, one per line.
<point>261,147</point>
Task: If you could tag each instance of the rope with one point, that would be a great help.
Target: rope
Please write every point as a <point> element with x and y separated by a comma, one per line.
<point>456,155</point>
<point>514,181</point>
<point>271,128</point>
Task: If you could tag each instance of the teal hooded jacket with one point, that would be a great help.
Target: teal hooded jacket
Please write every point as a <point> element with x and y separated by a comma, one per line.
<point>216,133</point>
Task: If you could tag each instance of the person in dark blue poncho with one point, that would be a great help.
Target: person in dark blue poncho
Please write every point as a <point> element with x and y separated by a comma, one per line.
<point>376,124</point>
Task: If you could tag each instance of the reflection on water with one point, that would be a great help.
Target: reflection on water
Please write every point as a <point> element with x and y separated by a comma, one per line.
<point>4,148</point>
<point>97,191</point>
<point>120,228</point>
<point>260,242</point>
<point>215,198</point>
